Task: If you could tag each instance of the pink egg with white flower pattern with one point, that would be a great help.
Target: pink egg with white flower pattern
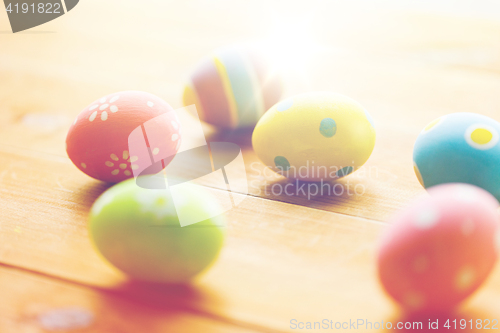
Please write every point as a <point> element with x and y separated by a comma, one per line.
<point>439,250</point>
<point>98,141</point>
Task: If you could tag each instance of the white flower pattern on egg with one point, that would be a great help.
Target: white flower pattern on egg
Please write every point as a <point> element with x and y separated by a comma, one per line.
<point>98,150</point>
<point>116,164</point>
<point>103,106</point>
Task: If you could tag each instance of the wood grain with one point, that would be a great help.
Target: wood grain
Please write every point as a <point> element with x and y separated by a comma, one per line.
<point>404,82</point>
<point>36,303</point>
<point>315,260</point>
<point>287,257</point>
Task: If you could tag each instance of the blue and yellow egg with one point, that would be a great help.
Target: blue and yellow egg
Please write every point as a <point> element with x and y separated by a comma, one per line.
<point>315,136</point>
<point>233,88</point>
<point>459,148</point>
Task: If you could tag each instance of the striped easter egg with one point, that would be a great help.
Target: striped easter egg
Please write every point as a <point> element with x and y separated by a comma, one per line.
<point>233,88</point>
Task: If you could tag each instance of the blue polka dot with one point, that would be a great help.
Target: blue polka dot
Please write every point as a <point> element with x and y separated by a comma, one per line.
<point>328,127</point>
<point>282,163</point>
<point>285,105</point>
<point>345,171</point>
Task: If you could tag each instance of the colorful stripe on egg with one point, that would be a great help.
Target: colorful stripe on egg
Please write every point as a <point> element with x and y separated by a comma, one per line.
<point>229,89</point>
<point>210,94</point>
<point>244,89</point>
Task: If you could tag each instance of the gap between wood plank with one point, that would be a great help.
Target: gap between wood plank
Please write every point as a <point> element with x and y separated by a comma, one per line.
<point>134,298</point>
<point>63,159</point>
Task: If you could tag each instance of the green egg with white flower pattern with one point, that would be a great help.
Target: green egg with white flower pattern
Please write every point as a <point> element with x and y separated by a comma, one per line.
<point>138,231</point>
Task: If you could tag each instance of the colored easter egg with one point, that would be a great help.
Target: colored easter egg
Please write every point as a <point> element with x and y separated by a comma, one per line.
<point>440,249</point>
<point>315,136</point>
<point>98,141</point>
<point>462,148</point>
<point>137,230</point>
<point>233,87</point>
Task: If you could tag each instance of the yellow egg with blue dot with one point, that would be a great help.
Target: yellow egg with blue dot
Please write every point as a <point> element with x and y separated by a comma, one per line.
<point>459,148</point>
<point>315,136</point>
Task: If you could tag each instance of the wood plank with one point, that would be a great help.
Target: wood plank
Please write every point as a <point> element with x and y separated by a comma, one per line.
<point>404,83</point>
<point>36,303</point>
<point>282,261</point>
<point>285,262</point>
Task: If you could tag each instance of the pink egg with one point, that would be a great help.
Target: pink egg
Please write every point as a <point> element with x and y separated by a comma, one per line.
<point>439,250</point>
<point>98,140</point>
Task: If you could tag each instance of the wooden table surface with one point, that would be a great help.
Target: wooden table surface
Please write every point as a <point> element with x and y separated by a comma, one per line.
<point>287,257</point>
